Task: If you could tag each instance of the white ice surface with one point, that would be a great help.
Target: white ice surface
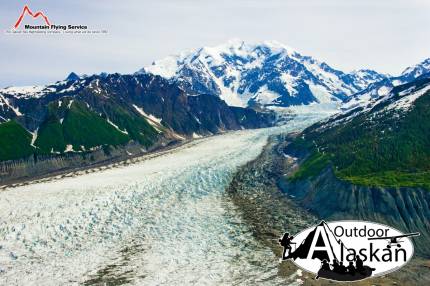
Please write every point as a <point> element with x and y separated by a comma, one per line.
<point>162,221</point>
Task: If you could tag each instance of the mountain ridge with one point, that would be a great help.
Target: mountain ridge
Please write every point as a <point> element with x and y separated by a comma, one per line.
<point>267,73</point>
<point>82,113</point>
<point>263,74</point>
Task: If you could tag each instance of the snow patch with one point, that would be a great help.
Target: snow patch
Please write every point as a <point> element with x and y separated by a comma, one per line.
<point>25,91</point>
<point>69,148</point>
<point>117,127</point>
<point>34,137</point>
<point>70,104</point>
<point>150,116</point>
<point>322,94</point>
<point>151,119</point>
<point>290,83</point>
<point>5,101</point>
<point>166,67</point>
<point>266,96</point>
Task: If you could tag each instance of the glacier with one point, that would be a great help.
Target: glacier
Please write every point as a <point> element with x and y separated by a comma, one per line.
<point>163,220</point>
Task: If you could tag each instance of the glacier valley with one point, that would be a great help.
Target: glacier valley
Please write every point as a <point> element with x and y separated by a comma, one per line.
<point>162,221</point>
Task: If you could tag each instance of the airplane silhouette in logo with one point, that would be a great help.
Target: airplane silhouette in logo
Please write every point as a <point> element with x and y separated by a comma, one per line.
<point>395,239</point>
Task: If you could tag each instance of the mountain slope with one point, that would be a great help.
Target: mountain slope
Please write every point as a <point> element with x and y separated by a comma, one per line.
<point>371,163</point>
<point>386,143</point>
<point>82,114</point>
<point>269,74</point>
<point>14,141</point>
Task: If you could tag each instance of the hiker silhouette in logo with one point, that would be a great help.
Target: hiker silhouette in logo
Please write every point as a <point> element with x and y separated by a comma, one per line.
<point>285,242</point>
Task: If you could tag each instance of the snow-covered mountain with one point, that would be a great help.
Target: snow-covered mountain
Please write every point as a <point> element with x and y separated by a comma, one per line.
<point>372,93</point>
<point>268,73</point>
<point>413,72</point>
<point>379,90</point>
<point>382,98</point>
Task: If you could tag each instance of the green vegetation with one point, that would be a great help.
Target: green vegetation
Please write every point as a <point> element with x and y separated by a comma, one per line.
<point>15,141</point>
<point>50,134</point>
<point>76,124</point>
<point>391,179</point>
<point>137,126</point>
<point>82,127</point>
<point>391,150</point>
<point>312,166</point>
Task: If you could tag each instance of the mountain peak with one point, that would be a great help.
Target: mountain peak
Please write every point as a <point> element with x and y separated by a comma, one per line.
<point>238,47</point>
<point>235,42</point>
<point>141,71</point>
<point>72,77</point>
<point>417,70</point>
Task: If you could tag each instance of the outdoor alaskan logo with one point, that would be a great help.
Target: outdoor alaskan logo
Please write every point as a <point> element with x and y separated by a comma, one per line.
<point>348,250</point>
<point>38,22</point>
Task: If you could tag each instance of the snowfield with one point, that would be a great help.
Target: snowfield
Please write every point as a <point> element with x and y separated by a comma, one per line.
<point>162,221</point>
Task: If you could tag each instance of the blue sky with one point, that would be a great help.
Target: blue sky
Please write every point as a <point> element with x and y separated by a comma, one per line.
<point>385,35</point>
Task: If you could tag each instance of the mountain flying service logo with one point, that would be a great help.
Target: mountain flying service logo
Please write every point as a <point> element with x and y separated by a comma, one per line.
<point>27,10</point>
<point>30,22</point>
<point>348,250</point>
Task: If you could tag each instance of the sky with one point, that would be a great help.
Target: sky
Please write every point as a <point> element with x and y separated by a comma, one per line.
<point>385,35</point>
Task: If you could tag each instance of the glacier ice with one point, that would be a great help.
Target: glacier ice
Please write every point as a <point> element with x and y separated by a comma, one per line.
<point>162,220</point>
